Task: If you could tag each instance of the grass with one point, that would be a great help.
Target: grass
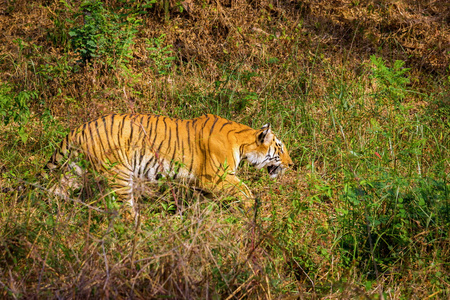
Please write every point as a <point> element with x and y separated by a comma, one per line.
<point>363,214</point>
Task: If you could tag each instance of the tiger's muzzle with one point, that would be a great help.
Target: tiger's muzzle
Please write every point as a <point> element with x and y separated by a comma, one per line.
<point>275,171</point>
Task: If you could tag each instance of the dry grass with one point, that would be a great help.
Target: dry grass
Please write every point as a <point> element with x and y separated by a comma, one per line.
<point>303,66</point>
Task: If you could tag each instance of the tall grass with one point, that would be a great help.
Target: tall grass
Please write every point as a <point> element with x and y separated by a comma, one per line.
<point>364,213</point>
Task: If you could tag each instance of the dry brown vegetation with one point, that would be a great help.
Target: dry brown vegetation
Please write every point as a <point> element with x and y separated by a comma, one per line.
<point>364,214</point>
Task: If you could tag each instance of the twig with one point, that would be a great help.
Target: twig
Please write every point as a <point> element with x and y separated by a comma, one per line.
<point>36,185</point>
<point>371,246</point>
<point>240,287</point>
<point>106,265</point>
<point>8,289</point>
<point>304,272</point>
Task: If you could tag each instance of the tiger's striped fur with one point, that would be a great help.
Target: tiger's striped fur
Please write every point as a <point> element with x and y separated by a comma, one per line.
<point>205,152</point>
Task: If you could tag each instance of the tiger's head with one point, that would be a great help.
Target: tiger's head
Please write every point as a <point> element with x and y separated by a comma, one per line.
<point>268,152</point>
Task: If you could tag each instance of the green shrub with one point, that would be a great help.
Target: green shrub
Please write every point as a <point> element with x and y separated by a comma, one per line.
<point>161,56</point>
<point>383,217</point>
<point>104,34</point>
<point>15,107</point>
<point>391,82</point>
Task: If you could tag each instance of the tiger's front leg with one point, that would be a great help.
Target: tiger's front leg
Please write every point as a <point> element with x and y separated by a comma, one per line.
<point>233,186</point>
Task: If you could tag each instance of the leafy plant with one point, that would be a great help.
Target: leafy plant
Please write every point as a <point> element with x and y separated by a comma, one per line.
<point>104,35</point>
<point>382,218</point>
<point>58,34</point>
<point>16,107</point>
<point>140,6</point>
<point>391,82</point>
<point>161,56</point>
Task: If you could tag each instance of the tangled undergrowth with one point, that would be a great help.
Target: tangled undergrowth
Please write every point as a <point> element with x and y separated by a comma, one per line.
<point>358,91</point>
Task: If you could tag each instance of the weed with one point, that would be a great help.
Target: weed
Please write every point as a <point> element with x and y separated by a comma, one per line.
<point>358,93</point>
<point>104,35</point>
<point>16,107</point>
<point>382,220</point>
<point>160,55</point>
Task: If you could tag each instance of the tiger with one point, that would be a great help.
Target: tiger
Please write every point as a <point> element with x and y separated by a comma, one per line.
<point>204,152</point>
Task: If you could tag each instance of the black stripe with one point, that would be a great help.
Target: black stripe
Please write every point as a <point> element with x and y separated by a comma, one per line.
<point>213,125</point>
<point>148,120</point>
<point>149,134</point>
<point>159,148</point>
<point>120,135</point>
<point>92,144</point>
<point>141,158</point>
<point>136,162</point>
<point>141,129</point>
<point>192,147</point>
<point>178,134</point>
<point>147,168</point>
<point>241,151</point>
<point>156,134</point>
<point>173,157</point>
<point>202,147</point>
<point>227,123</point>
<point>112,149</point>
<point>102,158</point>
<point>188,134</point>
<point>170,138</point>
<point>146,127</point>
<point>131,135</point>
<point>182,151</point>
<point>243,130</point>
<point>80,138</point>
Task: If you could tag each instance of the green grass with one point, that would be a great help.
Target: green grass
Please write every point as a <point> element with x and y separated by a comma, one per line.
<point>364,213</point>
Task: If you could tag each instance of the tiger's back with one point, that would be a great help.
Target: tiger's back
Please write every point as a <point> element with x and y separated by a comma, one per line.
<point>204,152</point>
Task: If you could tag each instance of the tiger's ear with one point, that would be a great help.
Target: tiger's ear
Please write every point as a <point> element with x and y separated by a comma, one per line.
<point>265,135</point>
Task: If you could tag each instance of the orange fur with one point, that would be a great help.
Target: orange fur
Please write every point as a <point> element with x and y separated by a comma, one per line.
<point>204,152</point>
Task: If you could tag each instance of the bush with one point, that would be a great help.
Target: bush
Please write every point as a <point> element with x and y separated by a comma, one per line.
<point>104,34</point>
<point>383,218</point>
<point>16,107</point>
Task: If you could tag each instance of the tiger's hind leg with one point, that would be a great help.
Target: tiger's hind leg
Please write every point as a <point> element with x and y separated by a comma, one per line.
<point>122,183</point>
<point>65,185</point>
<point>68,179</point>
